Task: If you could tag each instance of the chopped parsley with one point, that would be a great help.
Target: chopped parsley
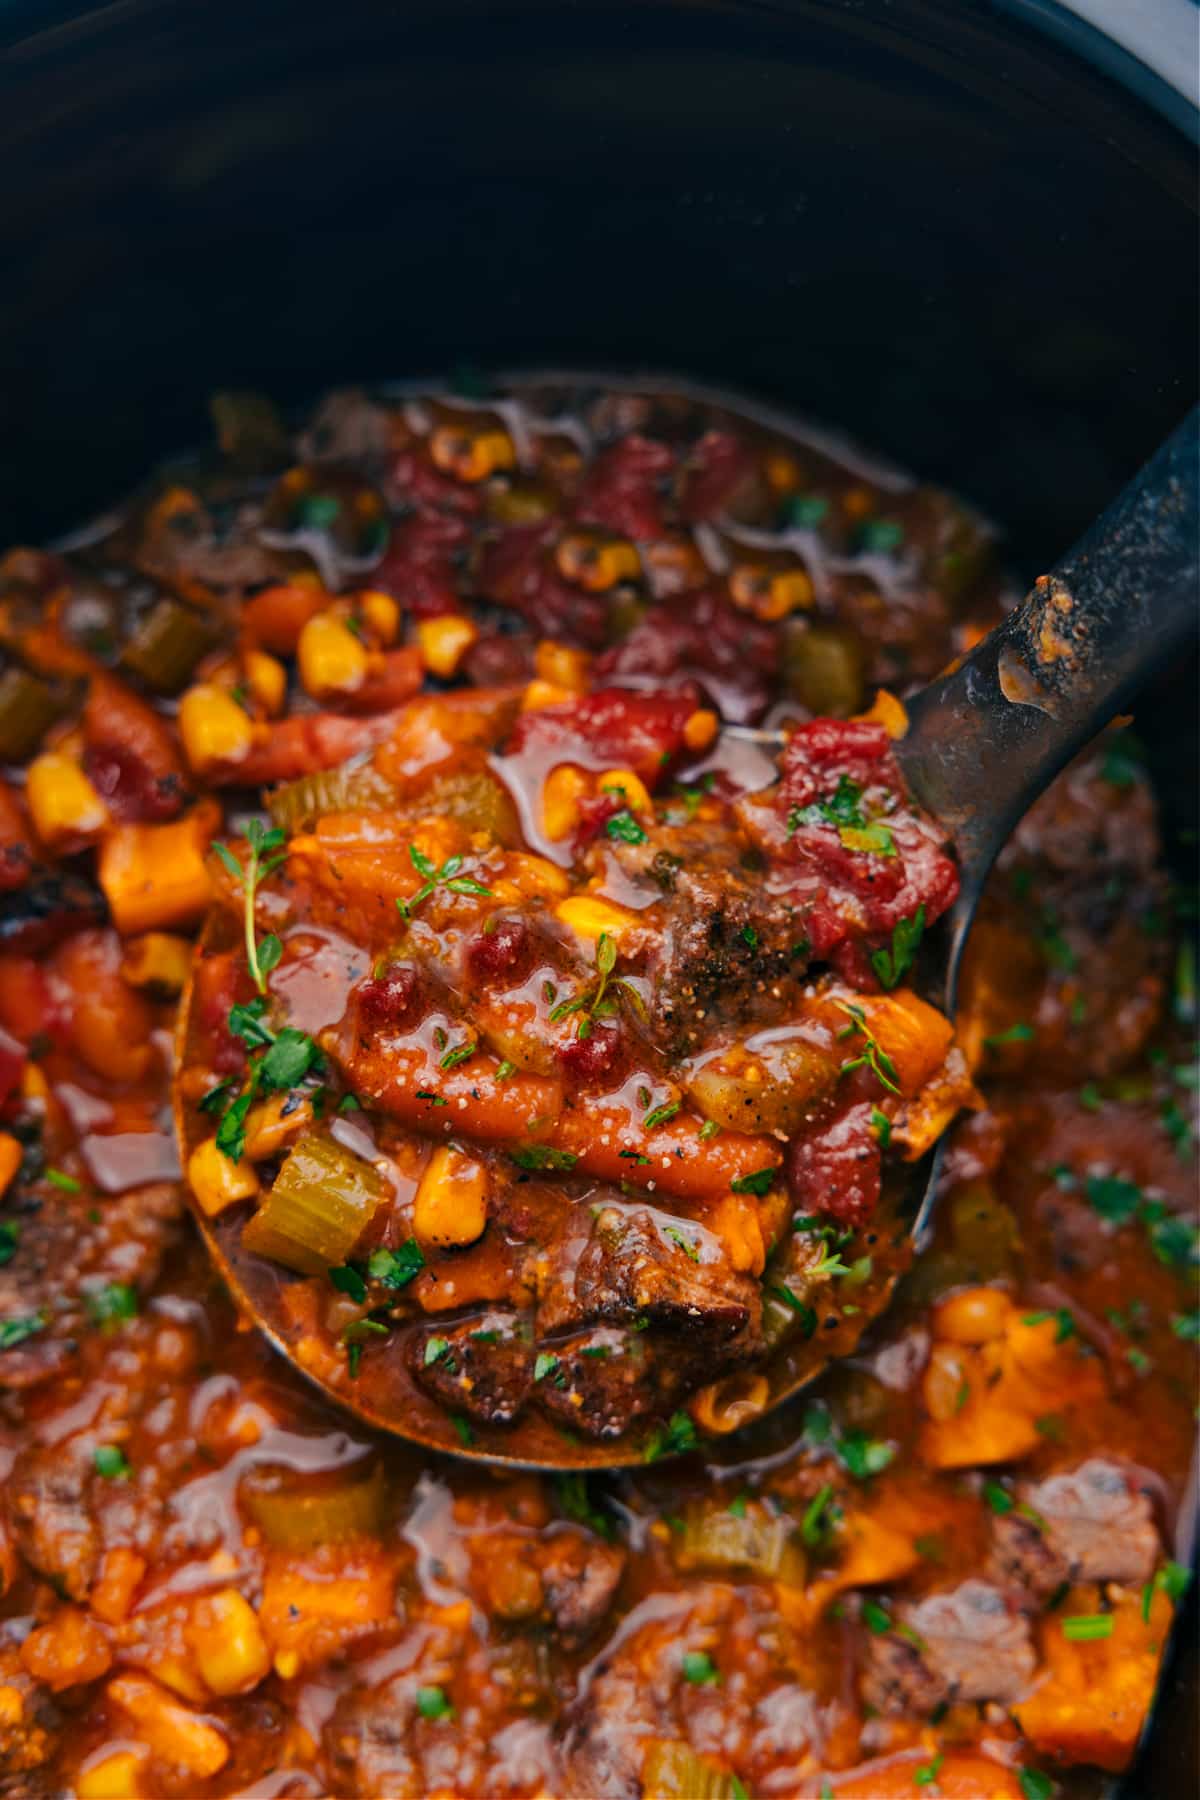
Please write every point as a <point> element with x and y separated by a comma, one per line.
<point>881,1125</point>
<point>674,1439</point>
<point>540,1157</point>
<point>396,1268</point>
<point>576,1500</point>
<point>875,1618</point>
<point>10,1237</point>
<point>758,1182</point>
<point>15,1331</point>
<point>594,1000</point>
<point>892,965</point>
<point>59,1179</point>
<point>1034,1784</point>
<point>661,1114</point>
<point>112,1304</point>
<point>1020,1033</point>
<point>927,1773</point>
<point>624,828</point>
<point>819,1518</point>
<point>1172,1580</point>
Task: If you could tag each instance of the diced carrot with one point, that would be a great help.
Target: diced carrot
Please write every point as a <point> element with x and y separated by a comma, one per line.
<point>111,1023</point>
<point>69,1650</point>
<point>1094,1696</point>
<point>120,1576</point>
<point>315,1603</point>
<point>275,617</point>
<point>171,1730</point>
<point>960,1775</point>
<point>155,877</point>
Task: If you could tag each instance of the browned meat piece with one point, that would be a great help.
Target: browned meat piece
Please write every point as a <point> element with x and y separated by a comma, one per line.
<point>1097,1523</point>
<point>479,1366</point>
<point>730,952</point>
<point>897,1679</point>
<point>604,1378</point>
<point>66,1248</point>
<point>972,1644</point>
<point>44,909</point>
<point>621,1261</point>
<point>1022,1560</point>
<point>49,1504</point>
<point>605,1748</point>
<point>580,1577</point>
<point>346,427</point>
<point>367,1737</point>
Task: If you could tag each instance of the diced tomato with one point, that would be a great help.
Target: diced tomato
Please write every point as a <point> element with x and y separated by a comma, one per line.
<point>838,1172</point>
<point>221,981</point>
<point>412,480</point>
<point>12,1065</point>
<point>623,489</point>
<point>721,470</point>
<point>612,728</point>
<point>130,756</point>
<point>420,565</point>
<point>517,569</point>
<point>701,637</point>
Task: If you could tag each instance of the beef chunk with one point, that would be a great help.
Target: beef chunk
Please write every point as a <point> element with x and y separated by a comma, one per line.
<point>729,951</point>
<point>1021,1559</point>
<point>65,1250</point>
<point>605,1378</point>
<point>49,1505</point>
<point>480,1366</point>
<point>580,1577</point>
<point>973,1645</point>
<point>1097,1523</point>
<point>637,1262</point>
<point>367,1740</point>
<point>605,1747</point>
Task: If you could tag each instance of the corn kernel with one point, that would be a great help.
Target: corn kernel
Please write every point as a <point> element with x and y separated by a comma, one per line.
<point>216,1181</point>
<point>11,1157</point>
<point>227,1642</point>
<point>445,641</point>
<point>157,959</point>
<point>975,1316</point>
<point>562,665</point>
<point>287,1665</point>
<point>627,787</point>
<point>34,1085</point>
<point>590,917</point>
<point>544,693</point>
<point>62,802</point>
<point>381,615</point>
<point>115,1776</point>
<point>266,678</point>
<point>562,791</point>
<point>269,1128</point>
<point>594,565</point>
<point>889,712</point>
<point>156,876</point>
<point>471,455</point>
<point>450,1207</point>
<point>535,875</point>
<point>330,658</point>
<point>170,1730</point>
<point>700,729</point>
<point>214,728</point>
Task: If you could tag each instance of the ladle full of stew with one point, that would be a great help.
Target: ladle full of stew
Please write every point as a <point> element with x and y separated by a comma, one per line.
<point>561,1079</point>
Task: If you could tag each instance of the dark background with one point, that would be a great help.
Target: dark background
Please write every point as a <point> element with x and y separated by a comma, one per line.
<point>932,223</point>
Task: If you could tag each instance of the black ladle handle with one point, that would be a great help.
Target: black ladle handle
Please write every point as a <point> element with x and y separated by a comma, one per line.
<point>987,739</point>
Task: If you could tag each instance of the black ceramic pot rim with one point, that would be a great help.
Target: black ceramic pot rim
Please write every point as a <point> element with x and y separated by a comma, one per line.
<point>1152,51</point>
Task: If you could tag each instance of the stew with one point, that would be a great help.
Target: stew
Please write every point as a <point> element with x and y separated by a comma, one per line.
<point>550,1052</point>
